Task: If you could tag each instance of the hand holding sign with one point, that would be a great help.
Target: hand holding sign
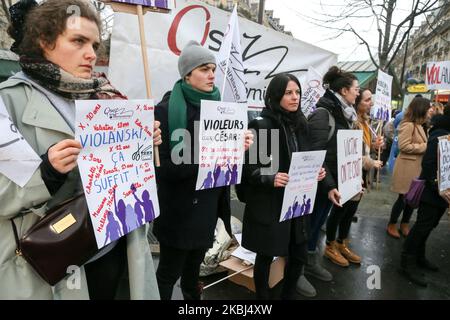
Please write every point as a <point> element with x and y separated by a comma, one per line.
<point>248,139</point>
<point>63,155</point>
<point>335,197</point>
<point>281,180</point>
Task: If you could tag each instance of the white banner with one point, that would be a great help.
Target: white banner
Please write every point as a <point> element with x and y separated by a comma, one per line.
<point>300,192</point>
<point>221,150</point>
<point>116,165</point>
<point>381,109</point>
<point>312,90</point>
<point>349,156</point>
<point>444,163</point>
<point>229,62</point>
<point>265,52</point>
<point>18,161</point>
<point>438,75</point>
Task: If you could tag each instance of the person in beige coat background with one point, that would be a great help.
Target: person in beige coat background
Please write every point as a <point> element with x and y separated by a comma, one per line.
<point>57,62</point>
<point>412,142</point>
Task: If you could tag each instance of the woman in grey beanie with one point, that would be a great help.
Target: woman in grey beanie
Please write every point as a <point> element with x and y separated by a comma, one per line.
<point>185,227</point>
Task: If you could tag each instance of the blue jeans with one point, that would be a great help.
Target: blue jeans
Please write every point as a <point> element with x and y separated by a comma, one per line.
<point>322,206</point>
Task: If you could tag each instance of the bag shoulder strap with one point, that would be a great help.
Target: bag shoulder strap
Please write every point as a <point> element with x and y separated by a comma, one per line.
<point>16,237</point>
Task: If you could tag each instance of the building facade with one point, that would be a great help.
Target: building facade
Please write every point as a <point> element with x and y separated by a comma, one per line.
<point>430,42</point>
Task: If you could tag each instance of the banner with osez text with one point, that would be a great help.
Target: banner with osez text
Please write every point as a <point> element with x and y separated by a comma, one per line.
<point>265,52</point>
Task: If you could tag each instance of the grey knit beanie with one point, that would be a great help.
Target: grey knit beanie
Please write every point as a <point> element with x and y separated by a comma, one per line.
<point>192,56</point>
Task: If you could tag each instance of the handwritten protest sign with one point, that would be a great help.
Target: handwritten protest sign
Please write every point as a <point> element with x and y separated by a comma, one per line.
<point>438,75</point>
<point>312,90</point>
<point>300,192</point>
<point>444,163</point>
<point>165,4</point>
<point>349,156</point>
<point>18,161</point>
<point>221,150</point>
<point>381,109</point>
<point>116,165</point>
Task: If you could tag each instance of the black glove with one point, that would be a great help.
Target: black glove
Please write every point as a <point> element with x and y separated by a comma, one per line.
<point>53,179</point>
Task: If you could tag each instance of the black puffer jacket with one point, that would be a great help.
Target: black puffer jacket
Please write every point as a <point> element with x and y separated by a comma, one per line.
<point>262,232</point>
<point>319,128</point>
<point>188,217</point>
<point>430,195</point>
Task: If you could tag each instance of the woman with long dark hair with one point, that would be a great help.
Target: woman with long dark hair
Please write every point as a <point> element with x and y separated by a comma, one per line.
<point>282,118</point>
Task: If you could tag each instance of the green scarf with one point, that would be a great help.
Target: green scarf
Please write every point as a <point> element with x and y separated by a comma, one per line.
<point>181,93</point>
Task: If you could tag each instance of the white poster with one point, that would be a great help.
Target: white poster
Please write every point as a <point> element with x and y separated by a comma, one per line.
<point>18,161</point>
<point>438,75</point>
<point>300,192</point>
<point>229,62</point>
<point>312,90</point>
<point>265,52</point>
<point>381,109</point>
<point>116,165</point>
<point>221,150</point>
<point>349,158</point>
<point>444,163</point>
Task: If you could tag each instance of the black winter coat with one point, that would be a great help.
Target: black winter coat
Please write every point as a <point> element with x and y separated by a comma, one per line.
<point>430,195</point>
<point>262,232</point>
<point>319,128</point>
<point>188,218</point>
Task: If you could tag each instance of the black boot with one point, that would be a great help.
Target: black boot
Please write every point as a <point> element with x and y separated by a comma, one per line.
<point>426,264</point>
<point>193,293</point>
<point>409,269</point>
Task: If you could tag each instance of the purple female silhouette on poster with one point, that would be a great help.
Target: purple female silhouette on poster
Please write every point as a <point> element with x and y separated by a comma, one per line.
<point>113,231</point>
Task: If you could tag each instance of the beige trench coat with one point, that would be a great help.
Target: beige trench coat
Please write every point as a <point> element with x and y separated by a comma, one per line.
<point>41,125</point>
<point>412,142</point>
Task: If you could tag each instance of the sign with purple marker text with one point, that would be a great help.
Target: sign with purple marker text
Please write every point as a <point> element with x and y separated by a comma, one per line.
<point>381,109</point>
<point>116,165</point>
<point>300,192</point>
<point>221,149</point>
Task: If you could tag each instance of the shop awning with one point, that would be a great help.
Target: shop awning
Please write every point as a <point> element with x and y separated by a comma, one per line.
<point>365,77</point>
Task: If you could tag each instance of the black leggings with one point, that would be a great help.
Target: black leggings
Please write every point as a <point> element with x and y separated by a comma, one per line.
<point>175,263</point>
<point>341,217</point>
<point>104,274</point>
<point>397,209</point>
<point>428,217</point>
<point>294,264</point>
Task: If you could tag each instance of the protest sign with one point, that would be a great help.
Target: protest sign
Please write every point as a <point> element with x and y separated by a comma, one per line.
<point>164,4</point>
<point>116,165</point>
<point>438,75</point>
<point>18,161</point>
<point>300,192</point>
<point>444,163</point>
<point>349,169</point>
<point>381,109</point>
<point>221,148</point>
<point>312,90</point>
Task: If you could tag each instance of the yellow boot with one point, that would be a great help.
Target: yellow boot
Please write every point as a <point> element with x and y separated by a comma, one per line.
<point>332,253</point>
<point>347,253</point>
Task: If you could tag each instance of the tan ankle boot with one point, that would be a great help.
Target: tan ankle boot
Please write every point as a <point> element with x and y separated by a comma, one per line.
<point>392,230</point>
<point>347,253</point>
<point>404,229</point>
<point>332,253</point>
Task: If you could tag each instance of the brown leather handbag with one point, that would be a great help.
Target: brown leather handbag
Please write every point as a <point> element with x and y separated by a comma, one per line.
<point>63,237</point>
